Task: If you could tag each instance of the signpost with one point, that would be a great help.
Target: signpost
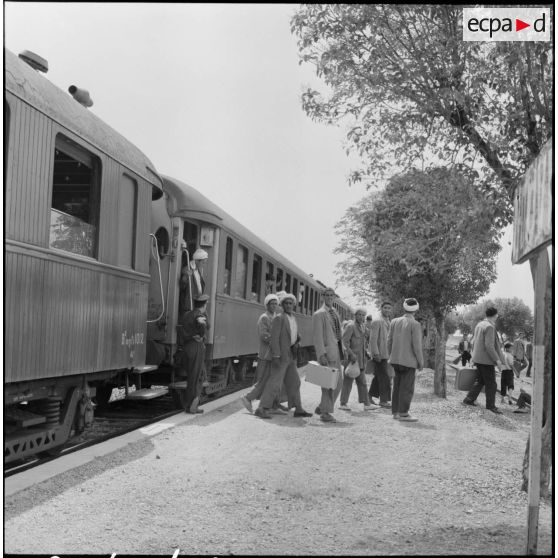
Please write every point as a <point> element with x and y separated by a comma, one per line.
<point>533,206</point>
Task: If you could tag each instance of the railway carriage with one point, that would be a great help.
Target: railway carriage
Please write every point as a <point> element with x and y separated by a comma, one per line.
<point>95,244</point>
<point>241,270</point>
<point>77,209</point>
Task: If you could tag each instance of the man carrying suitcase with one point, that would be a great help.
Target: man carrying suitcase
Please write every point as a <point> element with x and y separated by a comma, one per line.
<point>486,355</point>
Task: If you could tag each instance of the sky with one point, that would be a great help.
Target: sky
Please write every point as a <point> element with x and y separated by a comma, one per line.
<point>211,94</point>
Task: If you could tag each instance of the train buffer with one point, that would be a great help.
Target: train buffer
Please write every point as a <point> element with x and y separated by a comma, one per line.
<point>146,393</point>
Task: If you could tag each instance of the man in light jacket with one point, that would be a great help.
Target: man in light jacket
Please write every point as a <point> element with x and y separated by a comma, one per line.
<point>486,355</point>
<point>405,355</point>
<point>326,333</point>
<point>353,339</point>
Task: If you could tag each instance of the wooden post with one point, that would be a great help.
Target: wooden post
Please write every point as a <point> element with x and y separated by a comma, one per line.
<point>535,444</point>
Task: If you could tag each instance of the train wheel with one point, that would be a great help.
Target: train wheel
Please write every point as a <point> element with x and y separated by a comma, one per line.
<point>241,369</point>
<point>53,452</point>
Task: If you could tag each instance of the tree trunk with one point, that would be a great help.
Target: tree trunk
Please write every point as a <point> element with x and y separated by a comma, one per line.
<point>440,364</point>
<point>429,344</point>
<point>547,431</point>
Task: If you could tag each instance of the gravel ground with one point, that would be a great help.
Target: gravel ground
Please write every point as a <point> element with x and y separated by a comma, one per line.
<point>230,483</point>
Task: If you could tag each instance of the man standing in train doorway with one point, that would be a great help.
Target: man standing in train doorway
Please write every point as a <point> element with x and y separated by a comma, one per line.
<point>192,283</point>
<point>191,329</point>
<point>326,329</point>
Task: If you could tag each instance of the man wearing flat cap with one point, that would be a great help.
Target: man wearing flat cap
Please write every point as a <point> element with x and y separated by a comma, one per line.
<point>284,345</point>
<point>190,360</point>
<point>405,355</point>
<point>192,283</point>
<point>327,336</point>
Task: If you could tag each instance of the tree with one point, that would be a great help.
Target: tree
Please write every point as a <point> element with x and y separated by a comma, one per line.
<point>405,241</point>
<point>413,91</point>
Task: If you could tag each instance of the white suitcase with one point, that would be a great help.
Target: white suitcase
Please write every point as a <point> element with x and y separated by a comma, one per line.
<point>323,376</point>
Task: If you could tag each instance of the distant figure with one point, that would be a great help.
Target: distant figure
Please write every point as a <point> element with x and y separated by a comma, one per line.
<point>486,355</point>
<point>353,340</point>
<point>518,353</point>
<point>191,329</point>
<point>405,355</point>
<point>192,283</point>
<point>284,347</point>
<point>529,355</point>
<point>522,401</point>
<point>367,325</point>
<point>506,380</point>
<point>464,350</point>
<point>326,333</point>
<point>381,384</point>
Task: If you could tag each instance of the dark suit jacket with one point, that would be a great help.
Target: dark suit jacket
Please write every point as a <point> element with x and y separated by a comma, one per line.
<point>281,338</point>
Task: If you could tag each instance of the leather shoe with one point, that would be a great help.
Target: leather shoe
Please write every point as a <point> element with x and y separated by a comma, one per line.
<point>469,402</point>
<point>496,411</point>
<point>302,413</point>
<point>196,412</point>
<point>194,406</point>
<point>317,411</point>
<point>326,417</point>
<point>261,413</point>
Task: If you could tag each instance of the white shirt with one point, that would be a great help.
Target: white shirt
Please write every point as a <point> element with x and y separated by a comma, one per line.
<point>294,328</point>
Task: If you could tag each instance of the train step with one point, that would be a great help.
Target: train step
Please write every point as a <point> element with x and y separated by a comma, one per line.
<point>145,368</point>
<point>23,418</point>
<point>179,385</point>
<point>146,393</point>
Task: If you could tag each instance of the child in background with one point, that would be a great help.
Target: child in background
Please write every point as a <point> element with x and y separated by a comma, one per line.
<point>506,382</point>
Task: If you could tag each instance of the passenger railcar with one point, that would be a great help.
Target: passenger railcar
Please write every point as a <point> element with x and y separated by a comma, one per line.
<point>77,242</point>
<point>241,270</point>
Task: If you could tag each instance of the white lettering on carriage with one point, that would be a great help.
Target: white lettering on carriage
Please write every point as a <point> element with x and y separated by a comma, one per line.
<point>134,339</point>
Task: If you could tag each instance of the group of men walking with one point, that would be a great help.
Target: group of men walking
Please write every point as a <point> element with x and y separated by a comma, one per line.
<point>384,342</point>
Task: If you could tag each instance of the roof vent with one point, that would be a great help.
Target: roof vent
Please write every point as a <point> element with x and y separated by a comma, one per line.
<point>34,60</point>
<point>81,96</point>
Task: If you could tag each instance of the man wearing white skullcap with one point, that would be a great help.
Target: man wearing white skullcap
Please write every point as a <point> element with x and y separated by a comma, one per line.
<point>405,355</point>
<point>191,280</point>
<point>284,346</point>
<point>263,370</point>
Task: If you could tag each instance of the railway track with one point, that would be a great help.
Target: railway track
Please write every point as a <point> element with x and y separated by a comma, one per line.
<point>117,418</point>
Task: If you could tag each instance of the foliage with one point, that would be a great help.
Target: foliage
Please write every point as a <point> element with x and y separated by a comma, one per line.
<point>451,323</point>
<point>513,316</point>
<point>412,90</point>
<point>408,240</point>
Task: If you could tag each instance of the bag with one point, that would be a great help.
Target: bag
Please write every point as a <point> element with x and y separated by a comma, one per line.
<point>323,376</point>
<point>465,378</point>
<point>352,370</point>
<point>369,368</point>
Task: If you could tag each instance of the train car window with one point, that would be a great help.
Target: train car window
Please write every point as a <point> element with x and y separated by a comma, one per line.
<point>241,270</point>
<point>127,209</point>
<point>269,278</point>
<point>163,242</point>
<point>288,283</point>
<point>279,280</point>
<point>76,194</point>
<point>256,292</point>
<point>295,288</point>
<point>307,295</point>
<point>301,298</point>
<point>228,266</point>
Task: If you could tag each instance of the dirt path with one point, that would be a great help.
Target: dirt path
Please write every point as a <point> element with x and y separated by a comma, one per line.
<point>230,483</point>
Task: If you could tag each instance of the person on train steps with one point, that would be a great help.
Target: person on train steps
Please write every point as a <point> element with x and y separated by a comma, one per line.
<point>191,329</point>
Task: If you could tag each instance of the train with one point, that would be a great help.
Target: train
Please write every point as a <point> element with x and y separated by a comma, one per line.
<point>96,240</point>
